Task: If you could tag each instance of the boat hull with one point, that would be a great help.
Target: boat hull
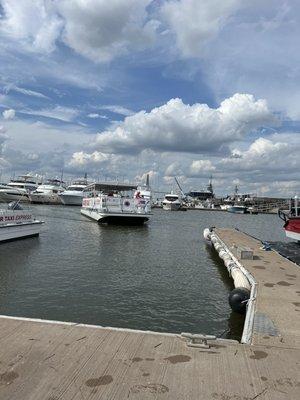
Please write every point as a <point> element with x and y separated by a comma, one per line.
<point>116,218</point>
<point>19,231</point>
<point>237,209</point>
<point>171,206</point>
<point>292,228</point>
<point>69,200</point>
<point>45,199</point>
<point>7,197</point>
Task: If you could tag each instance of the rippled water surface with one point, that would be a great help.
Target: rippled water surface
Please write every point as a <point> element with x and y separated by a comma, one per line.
<point>159,277</point>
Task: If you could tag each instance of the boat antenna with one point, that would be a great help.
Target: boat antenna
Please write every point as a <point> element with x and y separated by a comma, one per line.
<point>147,181</point>
<point>181,191</point>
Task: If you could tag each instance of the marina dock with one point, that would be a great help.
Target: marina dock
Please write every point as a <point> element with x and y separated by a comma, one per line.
<point>55,360</point>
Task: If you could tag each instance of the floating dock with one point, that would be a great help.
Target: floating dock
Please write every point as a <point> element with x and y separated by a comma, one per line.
<point>48,360</point>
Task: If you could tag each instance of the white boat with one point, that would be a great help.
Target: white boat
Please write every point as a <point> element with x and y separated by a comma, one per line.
<point>237,209</point>
<point>47,193</point>
<point>74,193</point>
<point>16,223</point>
<point>114,203</point>
<point>225,206</point>
<point>18,189</point>
<point>171,202</point>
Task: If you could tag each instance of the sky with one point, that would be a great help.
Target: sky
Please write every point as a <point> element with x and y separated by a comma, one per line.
<point>121,88</point>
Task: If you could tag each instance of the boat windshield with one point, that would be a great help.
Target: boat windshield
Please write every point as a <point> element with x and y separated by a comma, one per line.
<point>171,198</point>
<point>76,188</point>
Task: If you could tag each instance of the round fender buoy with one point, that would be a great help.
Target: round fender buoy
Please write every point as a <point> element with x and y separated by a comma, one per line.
<point>222,253</point>
<point>206,234</point>
<point>238,299</point>
<point>218,246</point>
<point>229,264</point>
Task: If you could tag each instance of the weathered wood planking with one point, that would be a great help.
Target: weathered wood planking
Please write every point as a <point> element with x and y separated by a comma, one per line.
<point>55,361</point>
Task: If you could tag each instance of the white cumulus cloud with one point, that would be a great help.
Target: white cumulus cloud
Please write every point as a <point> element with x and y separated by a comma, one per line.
<point>9,114</point>
<point>200,167</point>
<point>179,127</point>
<point>101,29</point>
<point>97,29</point>
<point>194,22</point>
<point>35,22</point>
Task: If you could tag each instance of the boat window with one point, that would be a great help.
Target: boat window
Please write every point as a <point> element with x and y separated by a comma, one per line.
<point>171,198</point>
<point>76,188</point>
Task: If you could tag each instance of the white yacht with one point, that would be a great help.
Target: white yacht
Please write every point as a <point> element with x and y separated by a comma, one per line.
<point>16,223</point>
<point>73,195</point>
<point>171,202</point>
<point>18,189</point>
<point>115,203</point>
<point>48,193</point>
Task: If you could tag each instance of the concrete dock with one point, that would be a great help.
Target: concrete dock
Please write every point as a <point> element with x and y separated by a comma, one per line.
<point>46,360</point>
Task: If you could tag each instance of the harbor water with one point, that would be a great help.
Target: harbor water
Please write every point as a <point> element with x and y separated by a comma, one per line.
<point>161,276</point>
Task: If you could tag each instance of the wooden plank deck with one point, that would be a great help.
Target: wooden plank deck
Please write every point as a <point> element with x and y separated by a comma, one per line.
<point>44,360</point>
<point>54,361</point>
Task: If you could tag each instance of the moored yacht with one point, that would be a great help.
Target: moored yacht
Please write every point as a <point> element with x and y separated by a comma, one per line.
<point>16,223</point>
<point>47,193</point>
<point>74,193</point>
<point>18,189</point>
<point>115,203</point>
<point>171,202</point>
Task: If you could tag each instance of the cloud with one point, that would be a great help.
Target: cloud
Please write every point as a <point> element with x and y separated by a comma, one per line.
<point>3,138</point>
<point>117,110</point>
<point>27,92</point>
<point>262,154</point>
<point>97,29</point>
<point>102,30</point>
<point>200,167</point>
<point>65,114</point>
<point>96,115</point>
<point>194,22</point>
<point>84,159</point>
<point>177,127</point>
<point>35,22</point>
<point>9,114</point>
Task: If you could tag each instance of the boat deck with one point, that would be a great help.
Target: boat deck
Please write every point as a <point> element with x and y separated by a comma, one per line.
<point>53,361</point>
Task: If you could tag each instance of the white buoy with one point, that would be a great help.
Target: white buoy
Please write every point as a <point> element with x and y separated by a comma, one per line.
<point>238,297</point>
<point>206,234</point>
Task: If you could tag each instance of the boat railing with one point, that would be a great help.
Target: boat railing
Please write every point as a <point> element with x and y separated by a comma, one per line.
<point>112,204</point>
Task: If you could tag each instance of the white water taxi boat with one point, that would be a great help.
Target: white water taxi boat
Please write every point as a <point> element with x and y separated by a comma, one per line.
<point>16,223</point>
<point>115,203</point>
<point>48,193</point>
<point>18,189</point>
<point>171,202</point>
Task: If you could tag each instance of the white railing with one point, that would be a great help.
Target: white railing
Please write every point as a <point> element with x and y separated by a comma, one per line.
<point>112,204</point>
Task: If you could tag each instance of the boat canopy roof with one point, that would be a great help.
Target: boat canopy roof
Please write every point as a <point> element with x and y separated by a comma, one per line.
<point>110,186</point>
